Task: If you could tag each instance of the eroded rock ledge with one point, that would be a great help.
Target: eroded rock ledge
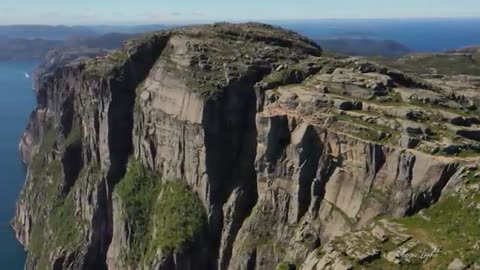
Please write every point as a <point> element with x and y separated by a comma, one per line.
<point>271,152</point>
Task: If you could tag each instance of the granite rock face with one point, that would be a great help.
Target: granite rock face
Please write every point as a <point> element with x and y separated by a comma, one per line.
<point>279,151</point>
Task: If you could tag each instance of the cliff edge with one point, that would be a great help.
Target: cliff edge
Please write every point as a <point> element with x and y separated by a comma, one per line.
<point>238,146</point>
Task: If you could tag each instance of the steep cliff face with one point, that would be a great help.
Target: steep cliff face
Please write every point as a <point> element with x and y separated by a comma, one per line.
<point>229,147</point>
<point>80,135</point>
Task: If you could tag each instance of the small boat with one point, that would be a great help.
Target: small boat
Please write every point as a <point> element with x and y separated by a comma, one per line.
<point>26,75</point>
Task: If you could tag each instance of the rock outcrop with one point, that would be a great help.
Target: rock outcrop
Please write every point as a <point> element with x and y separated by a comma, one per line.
<point>234,147</point>
<point>57,58</point>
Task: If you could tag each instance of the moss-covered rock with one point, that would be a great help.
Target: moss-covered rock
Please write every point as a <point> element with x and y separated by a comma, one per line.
<point>163,218</point>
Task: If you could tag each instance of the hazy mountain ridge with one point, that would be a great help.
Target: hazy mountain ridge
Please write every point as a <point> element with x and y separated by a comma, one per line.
<point>59,32</point>
<point>464,61</point>
<point>26,49</point>
<point>346,37</point>
<point>36,49</point>
<point>364,47</point>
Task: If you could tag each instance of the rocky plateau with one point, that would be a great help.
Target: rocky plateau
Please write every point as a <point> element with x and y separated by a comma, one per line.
<point>240,146</point>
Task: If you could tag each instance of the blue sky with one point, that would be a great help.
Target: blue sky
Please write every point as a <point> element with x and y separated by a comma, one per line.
<point>162,11</point>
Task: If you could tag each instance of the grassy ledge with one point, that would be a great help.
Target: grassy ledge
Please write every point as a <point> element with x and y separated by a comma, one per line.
<point>454,224</point>
<point>163,217</point>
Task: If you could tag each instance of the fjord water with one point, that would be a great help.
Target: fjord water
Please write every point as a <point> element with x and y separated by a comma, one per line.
<point>420,35</point>
<point>16,102</point>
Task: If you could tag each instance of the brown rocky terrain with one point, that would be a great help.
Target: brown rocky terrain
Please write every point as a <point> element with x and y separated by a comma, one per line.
<point>242,147</point>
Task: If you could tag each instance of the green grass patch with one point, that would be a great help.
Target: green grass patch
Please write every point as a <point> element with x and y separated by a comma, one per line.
<point>162,216</point>
<point>283,76</point>
<point>46,177</point>
<point>49,137</point>
<point>55,222</point>
<point>56,226</point>
<point>117,57</point>
<point>207,87</point>
<point>138,192</point>
<point>436,108</point>
<point>468,153</point>
<point>369,131</point>
<point>65,224</point>
<point>178,217</point>
<point>103,65</point>
<point>472,177</point>
<point>383,264</point>
<point>285,266</point>
<point>454,225</point>
<point>92,66</point>
<point>262,233</point>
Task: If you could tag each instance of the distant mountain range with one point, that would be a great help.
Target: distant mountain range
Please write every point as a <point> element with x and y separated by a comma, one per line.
<point>37,48</point>
<point>364,47</point>
<point>44,32</point>
<point>26,42</point>
<point>107,41</point>
<point>32,42</point>
<point>62,32</point>
<point>465,61</point>
<point>26,49</point>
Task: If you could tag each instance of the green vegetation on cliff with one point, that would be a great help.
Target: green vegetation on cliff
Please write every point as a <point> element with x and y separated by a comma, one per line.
<point>453,223</point>
<point>179,215</point>
<point>138,192</point>
<point>101,66</point>
<point>48,140</point>
<point>288,74</point>
<point>65,222</point>
<point>285,266</point>
<point>55,217</point>
<point>162,216</point>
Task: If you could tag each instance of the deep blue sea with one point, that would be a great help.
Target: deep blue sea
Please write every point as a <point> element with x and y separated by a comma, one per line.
<point>422,35</point>
<point>16,102</point>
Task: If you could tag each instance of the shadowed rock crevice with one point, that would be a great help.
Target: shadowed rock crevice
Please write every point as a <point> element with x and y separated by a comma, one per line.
<point>278,140</point>
<point>230,140</point>
<point>123,87</point>
<point>311,151</point>
<point>427,199</point>
<point>327,165</point>
<point>72,162</point>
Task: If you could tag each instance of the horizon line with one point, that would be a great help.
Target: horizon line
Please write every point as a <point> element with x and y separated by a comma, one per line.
<point>210,21</point>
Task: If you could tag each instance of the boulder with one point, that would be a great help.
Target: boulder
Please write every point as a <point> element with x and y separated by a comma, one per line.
<point>457,264</point>
<point>409,141</point>
<point>344,105</point>
<point>379,233</point>
<point>469,134</point>
<point>460,121</point>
